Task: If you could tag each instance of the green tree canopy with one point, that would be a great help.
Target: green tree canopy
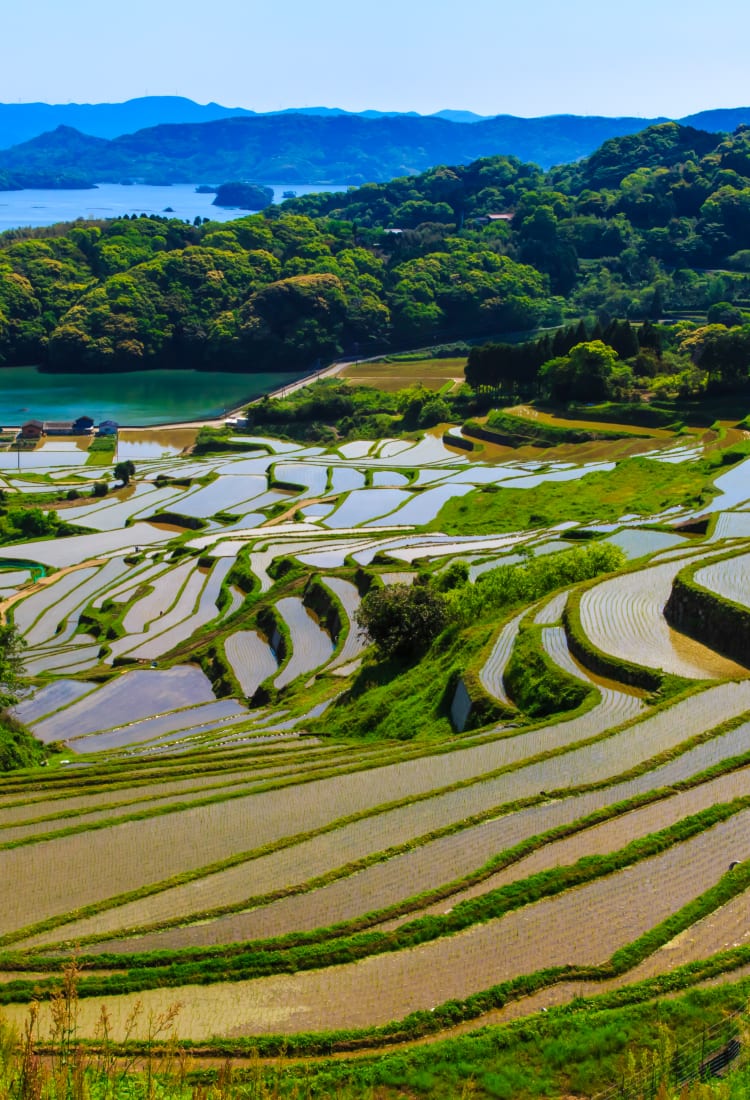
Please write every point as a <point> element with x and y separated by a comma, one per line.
<point>124,471</point>
<point>590,372</point>
<point>402,620</point>
<point>11,664</point>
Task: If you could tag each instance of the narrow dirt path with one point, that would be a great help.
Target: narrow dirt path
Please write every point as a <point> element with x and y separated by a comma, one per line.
<point>43,582</point>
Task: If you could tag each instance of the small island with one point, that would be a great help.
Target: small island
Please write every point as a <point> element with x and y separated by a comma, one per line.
<point>246,196</point>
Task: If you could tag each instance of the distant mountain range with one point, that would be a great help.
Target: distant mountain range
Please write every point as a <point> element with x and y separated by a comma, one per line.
<point>171,140</point>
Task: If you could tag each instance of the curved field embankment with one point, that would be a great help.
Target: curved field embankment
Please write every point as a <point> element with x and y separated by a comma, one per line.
<point>552,611</point>
<point>712,604</point>
<point>311,645</point>
<point>377,990</point>
<point>348,596</point>
<point>728,577</point>
<point>251,659</point>
<point>139,852</point>
<point>436,864</point>
<point>620,705</point>
<point>623,617</point>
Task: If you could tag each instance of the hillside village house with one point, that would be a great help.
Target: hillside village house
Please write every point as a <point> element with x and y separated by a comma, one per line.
<point>32,429</point>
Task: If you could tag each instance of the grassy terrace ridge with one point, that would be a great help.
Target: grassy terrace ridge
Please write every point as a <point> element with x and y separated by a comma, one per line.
<point>661,684</point>
<point>582,1047</point>
<point>536,685</point>
<point>308,952</point>
<point>40,958</point>
<point>387,697</point>
<point>707,615</point>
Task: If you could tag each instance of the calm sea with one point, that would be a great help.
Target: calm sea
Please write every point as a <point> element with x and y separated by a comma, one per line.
<point>139,398</point>
<point>136,398</point>
<point>109,200</point>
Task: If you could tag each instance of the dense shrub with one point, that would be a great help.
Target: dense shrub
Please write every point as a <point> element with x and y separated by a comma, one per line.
<point>401,620</point>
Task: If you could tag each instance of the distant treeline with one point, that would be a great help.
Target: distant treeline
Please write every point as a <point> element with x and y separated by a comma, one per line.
<point>617,360</point>
<point>516,366</point>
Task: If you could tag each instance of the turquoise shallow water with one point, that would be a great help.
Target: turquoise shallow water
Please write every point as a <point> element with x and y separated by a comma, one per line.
<point>138,398</point>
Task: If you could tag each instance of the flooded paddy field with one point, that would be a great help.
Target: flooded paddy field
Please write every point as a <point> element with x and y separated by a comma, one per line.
<point>204,794</point>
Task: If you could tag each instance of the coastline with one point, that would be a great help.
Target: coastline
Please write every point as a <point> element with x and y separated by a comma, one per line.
<point>13,421</point>
<point>282,391</point>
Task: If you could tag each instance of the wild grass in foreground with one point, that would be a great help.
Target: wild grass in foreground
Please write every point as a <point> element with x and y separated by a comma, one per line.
<point>656,1049</point>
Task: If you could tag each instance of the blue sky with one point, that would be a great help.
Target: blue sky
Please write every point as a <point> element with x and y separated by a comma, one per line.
<point>526,57</point>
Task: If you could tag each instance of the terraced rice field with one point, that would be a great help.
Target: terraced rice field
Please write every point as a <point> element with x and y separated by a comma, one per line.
<point>187,817</point>
<point>349,597</point>
<point>729,578</point>
<point>390,986</point>
<point>311,646</point>
<point>132,695</point>
<point>226,494</point>
<point>251,659</point>
<point>364,505</point>
<point>624,617</point>
<point>621,704</point>
<point>492,672</point>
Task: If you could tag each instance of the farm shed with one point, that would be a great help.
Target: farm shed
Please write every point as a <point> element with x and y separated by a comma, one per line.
<point>32,429</point>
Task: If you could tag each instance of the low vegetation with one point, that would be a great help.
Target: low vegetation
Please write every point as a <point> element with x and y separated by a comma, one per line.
<point>637,485</point>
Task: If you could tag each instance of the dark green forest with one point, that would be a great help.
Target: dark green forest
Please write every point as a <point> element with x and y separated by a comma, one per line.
<point>652,226</point>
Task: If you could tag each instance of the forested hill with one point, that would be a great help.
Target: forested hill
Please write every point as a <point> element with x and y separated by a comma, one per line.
<point>169,139</point>
<point>298,148</point>
<point>327,273</point>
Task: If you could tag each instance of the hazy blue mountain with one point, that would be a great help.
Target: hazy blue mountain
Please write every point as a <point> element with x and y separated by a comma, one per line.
<point>302,148</point>
<point>310,145</point>
<point>460,116</point>
<point>722,120</point>
<point>22,121</point>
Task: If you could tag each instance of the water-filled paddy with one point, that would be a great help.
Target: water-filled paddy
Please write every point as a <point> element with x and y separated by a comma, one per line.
<point>132,695</point>
<point>171,743</point>
<point>363,505</point>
